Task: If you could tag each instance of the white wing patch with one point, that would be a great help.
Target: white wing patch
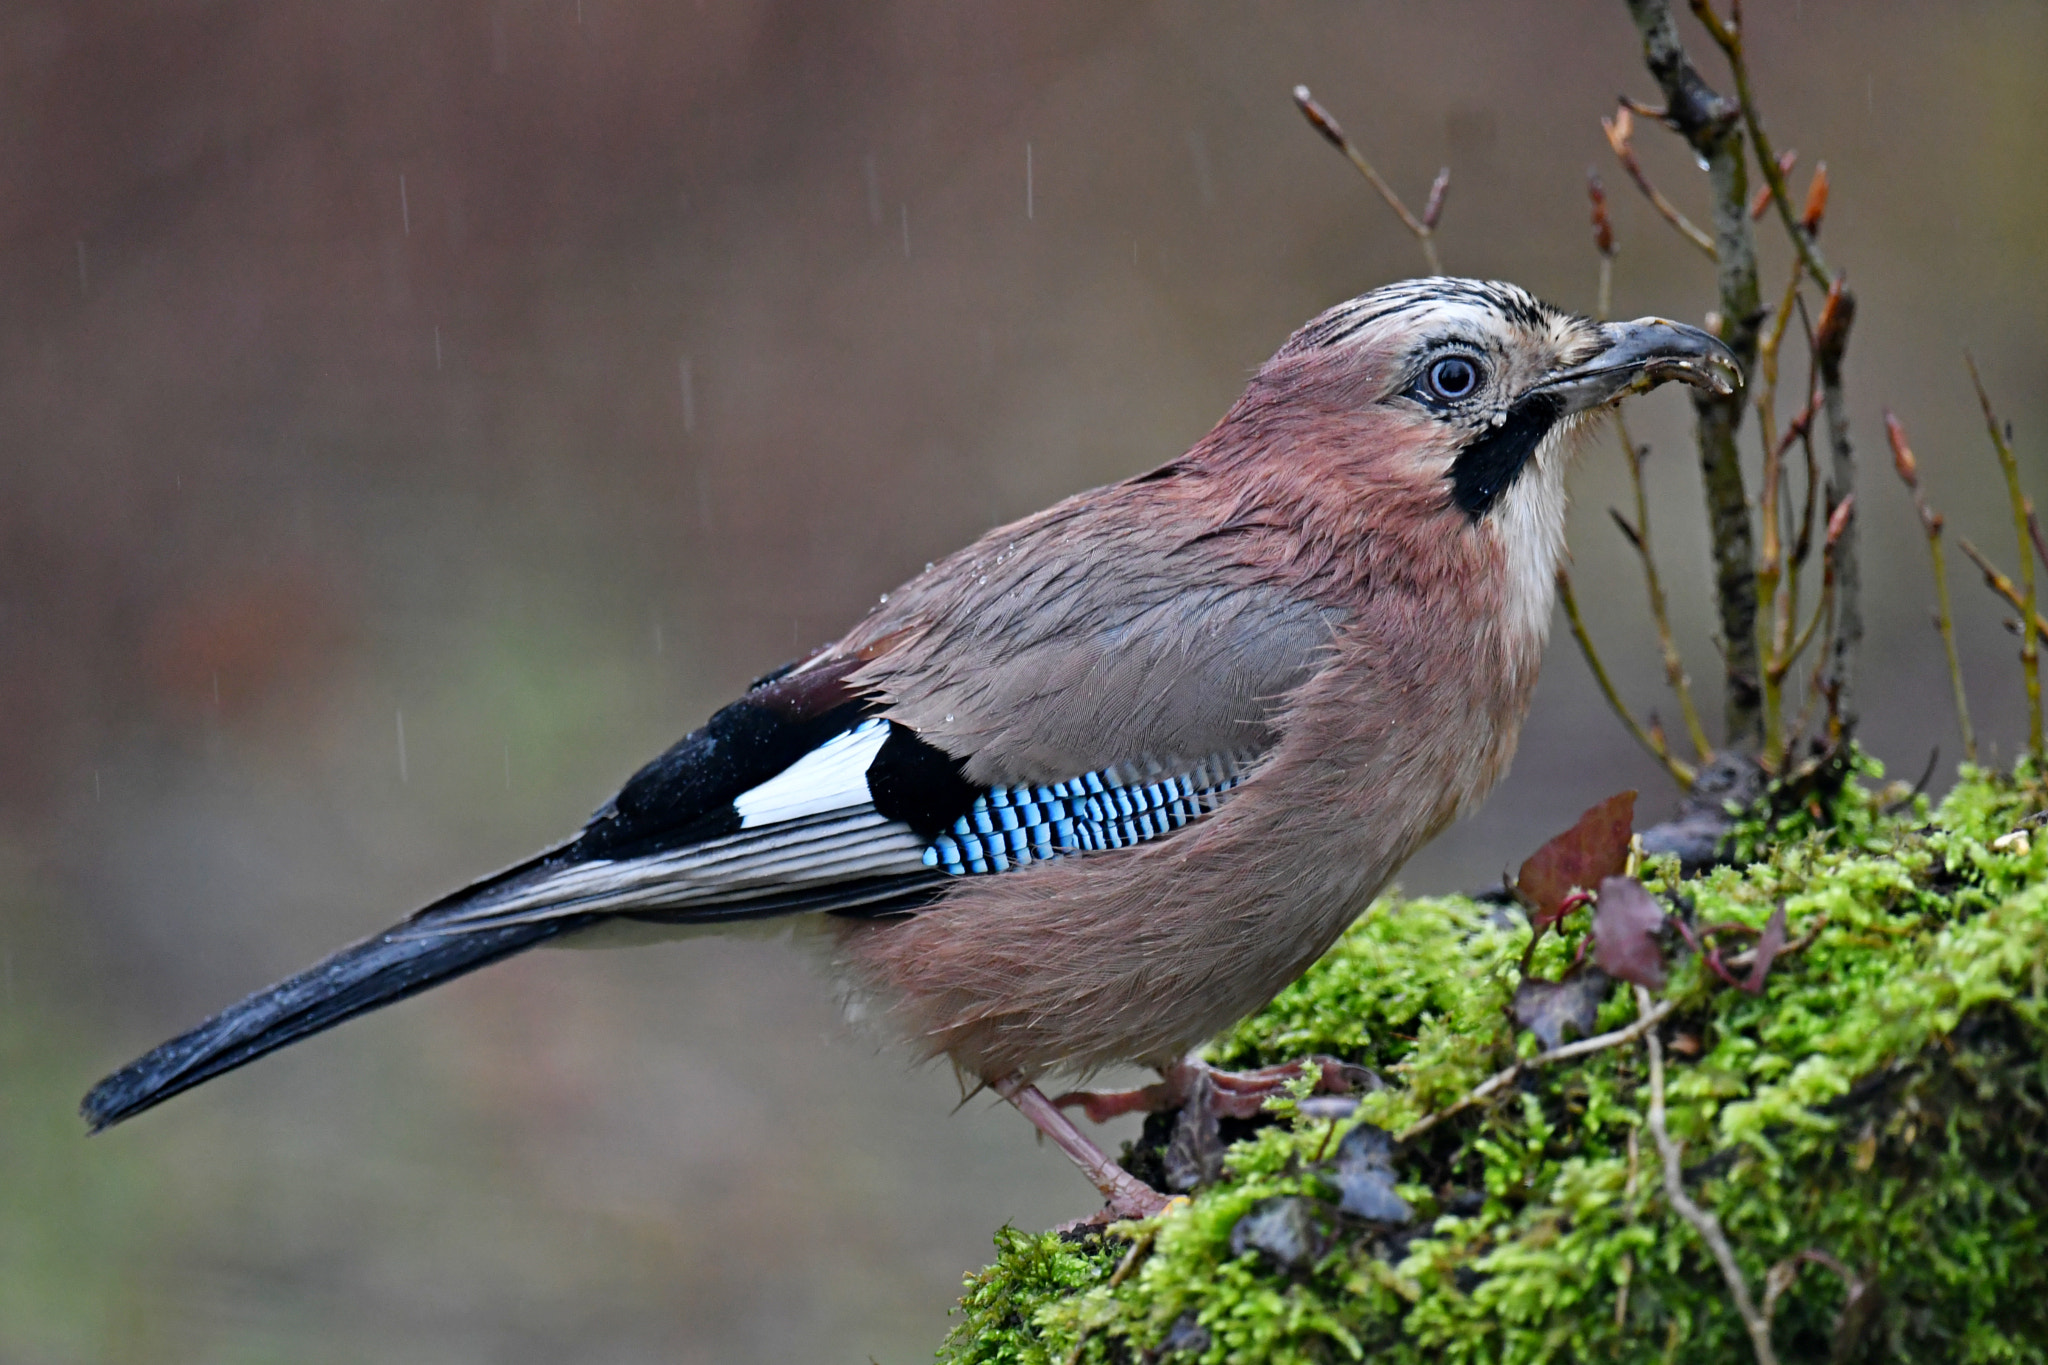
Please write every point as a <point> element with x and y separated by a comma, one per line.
<point>833,776</point>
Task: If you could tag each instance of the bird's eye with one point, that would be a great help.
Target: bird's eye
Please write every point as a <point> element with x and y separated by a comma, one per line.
<point>1453,377</point>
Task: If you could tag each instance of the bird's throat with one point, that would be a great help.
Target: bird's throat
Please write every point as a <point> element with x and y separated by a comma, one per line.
<point>1491,462</point>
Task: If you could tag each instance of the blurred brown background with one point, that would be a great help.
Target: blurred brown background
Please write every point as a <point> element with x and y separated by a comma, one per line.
<point>412,417</point>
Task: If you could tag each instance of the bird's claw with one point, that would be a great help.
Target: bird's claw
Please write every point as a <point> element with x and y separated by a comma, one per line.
<point>1232,1094</point>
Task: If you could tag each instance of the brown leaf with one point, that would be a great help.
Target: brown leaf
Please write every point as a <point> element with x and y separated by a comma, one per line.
<point>1625,929</point>
<point>1767,947</point>
<point>1548,1008</point>
<point>1595,847</point>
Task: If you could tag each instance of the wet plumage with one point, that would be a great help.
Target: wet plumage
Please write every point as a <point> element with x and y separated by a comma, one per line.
<point>1100,784</point>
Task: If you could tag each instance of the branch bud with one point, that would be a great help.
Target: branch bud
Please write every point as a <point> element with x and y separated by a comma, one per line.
<point>1902,454</point>
<point>1831,333</point>
<point>1433,209</point>
<point>1816,201</point>
<point>1619,129</point>
<point>1762,202</point>
<point>1603,227</point>
<point>1838,520</point>
<point>1319,117</point>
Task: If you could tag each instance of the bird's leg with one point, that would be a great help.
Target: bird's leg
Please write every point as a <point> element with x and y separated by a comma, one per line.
<point>1232,1094</point>
<point>1128,1196</point>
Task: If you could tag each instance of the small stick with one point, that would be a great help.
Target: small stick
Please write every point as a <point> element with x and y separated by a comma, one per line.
<point>2022,511</point>
<point>1728,37</point>
<point>1845,634</point>
<point>1931,524</point>
<point>1424,227</point>
<point>1681,772</point>
<point>1619,130</point>
<point>1669,1152</point>
<point>1603,241</point>
<point>1646,1021</point>
<point>1639,536</point>
<point>2000,584</point>
<point>1775,610</point>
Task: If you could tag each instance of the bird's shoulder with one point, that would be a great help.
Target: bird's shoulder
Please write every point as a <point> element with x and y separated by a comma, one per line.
<point>1131,623</point>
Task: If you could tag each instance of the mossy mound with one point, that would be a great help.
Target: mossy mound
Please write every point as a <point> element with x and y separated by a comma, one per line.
<point>1883,1101</point>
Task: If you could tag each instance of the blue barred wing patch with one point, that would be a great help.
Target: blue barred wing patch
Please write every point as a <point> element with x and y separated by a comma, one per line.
<point>1113,807</point>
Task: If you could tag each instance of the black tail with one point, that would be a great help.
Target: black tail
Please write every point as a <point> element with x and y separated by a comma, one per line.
<point>399,962</point>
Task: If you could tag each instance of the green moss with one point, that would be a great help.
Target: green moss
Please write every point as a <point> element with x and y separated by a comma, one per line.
<point>1884,1100</point>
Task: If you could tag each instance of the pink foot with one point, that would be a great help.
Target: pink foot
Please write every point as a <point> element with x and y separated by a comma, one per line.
<point>1204,1096</point>
<point>1128,1196</point>
<point>1232,1094</point>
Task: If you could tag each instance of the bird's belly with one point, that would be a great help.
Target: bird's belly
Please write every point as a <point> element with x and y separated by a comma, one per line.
<point>1126,956</point>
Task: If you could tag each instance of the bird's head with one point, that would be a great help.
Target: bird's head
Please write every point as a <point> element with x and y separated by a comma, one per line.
<point>1441,411</point>
<point>1476,383</point>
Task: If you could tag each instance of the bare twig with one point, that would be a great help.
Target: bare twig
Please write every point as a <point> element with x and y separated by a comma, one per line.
<point>2022,510</point>
<point>1669,1153</point>
<point>1728,37</point>
<point>1944,621</point>
<point>1777,608</point>
<point>1620,129</point>
<point>1712,125</point>
<point>1646,1021</point>
<point>1603,240</point>
<point>1996,580</point>
<point>1424,227</point>
<point>1681,772</point>
<point>1831,339</point>
<point>1639,536</point>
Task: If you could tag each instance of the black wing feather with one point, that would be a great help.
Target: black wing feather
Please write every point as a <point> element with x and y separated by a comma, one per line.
<point>682,798</point>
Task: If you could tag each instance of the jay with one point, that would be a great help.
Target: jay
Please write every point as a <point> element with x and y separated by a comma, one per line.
<point>1100,784</point>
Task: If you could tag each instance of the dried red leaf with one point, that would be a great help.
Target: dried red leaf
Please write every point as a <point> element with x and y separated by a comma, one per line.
<point>1768,947</point>
<point>1625,926</point>
<point>1595,847</point>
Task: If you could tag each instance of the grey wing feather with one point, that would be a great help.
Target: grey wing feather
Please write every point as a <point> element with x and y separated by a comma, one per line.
<point>1074,641</point>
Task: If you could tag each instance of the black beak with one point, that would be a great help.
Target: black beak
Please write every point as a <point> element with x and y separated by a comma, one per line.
<point>1639,356</point>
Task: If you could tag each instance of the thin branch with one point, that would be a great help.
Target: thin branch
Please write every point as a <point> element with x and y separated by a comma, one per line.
<point>1782,665</point>
<point>1931,524</point>
<point>1603,240</point>
<point>1996,580</point>
<point>1777,608</point>
<point>1728,37</point>
<point>1712,126</point>
<point>1681,772</point>
<point>1669,1153</point>
<point>1845,638</point>
<point>1620,129</point>
<point>1667,645</point>
<point>2022,510</point>
<point>1646,1021</point>
<point>1424,227</point>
